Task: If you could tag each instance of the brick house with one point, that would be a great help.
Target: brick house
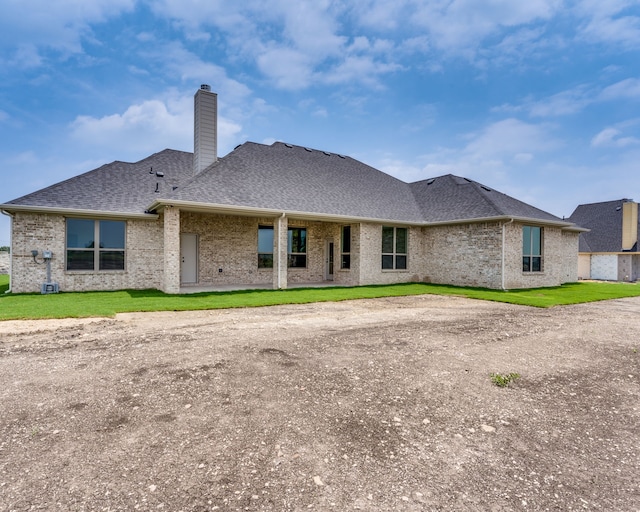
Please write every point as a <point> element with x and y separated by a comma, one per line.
<point>276,216</point>
<point>609,250</point>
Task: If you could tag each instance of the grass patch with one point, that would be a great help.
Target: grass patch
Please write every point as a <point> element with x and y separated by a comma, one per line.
<point>503,380</point>
<point>4,282</point>
<point>92,304</point>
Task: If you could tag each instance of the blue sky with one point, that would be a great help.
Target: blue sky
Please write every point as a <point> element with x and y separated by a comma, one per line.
<point>538,99</point>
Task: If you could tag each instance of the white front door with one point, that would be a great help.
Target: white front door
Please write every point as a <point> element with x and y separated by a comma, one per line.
<point>328,256</point>
<point>188,258</point>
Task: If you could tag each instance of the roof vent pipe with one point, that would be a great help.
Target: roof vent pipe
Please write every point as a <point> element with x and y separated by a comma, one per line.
<point>205,128</point>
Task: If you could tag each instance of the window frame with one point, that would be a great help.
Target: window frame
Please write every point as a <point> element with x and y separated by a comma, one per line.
<point>532,249</point>
<point>399,258</point>
<point>99,251</point>
<point>345,248</point>
<point>292,257</point>
<point>263,259</point>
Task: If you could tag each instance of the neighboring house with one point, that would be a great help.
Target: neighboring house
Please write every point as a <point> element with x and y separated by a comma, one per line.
<point>609,250</point>
<point>275,216</point>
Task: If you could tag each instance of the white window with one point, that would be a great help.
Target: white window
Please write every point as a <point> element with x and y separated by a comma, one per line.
<point>95,244</point>
<point>394,248</point>
<point>532,249</point>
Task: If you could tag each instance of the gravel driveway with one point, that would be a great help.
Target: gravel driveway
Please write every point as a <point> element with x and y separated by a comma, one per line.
<point>376,405</point>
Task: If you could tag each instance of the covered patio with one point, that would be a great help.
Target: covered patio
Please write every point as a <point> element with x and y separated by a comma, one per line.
<point>187,289</point>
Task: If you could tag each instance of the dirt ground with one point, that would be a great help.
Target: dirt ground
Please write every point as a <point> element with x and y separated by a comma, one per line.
<point>377,405</point>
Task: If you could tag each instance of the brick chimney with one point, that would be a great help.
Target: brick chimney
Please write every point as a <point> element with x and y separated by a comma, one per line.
<point>205,128</point>
<point>629,224</point>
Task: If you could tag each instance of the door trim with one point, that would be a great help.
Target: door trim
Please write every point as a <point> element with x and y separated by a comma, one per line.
<point>196,240</point>
<point>329,259</point>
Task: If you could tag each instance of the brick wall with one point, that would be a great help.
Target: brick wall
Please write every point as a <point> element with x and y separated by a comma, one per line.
<point>39,231</point>
<point>464,254</point>
<point>559,258</point>
<point>228,244</point>
<point>370,265</point>
<point>471,255</point>
<point>4,262</point>
<point>227,250</point>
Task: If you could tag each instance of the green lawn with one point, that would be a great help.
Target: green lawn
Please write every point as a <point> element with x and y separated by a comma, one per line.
<point>91,304</point>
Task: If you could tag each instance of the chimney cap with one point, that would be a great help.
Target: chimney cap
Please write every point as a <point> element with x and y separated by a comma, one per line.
<point>205,87</point>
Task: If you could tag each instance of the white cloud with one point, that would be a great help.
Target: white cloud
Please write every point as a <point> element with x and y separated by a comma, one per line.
<point>179,61</point>
<point>310,26</point>
<point>60,25</point>
<point>460,25</point>
<point>320,112</point>
<point>563,103</point>
<point>193,14</point>
<point>294,45</point>
<point>609,21</point>
<point>150,126</point>
<point>610,137</point>
<point>625,89</point>
<point>501,155</point>
<point>359,69</point>
<point>399,168</point>
<point>381,15</point>
<point>508,138</point>
<point>522,158</point>
<point>26,56</point>
<point>575,100</point>
<point>286,67</point>
<point>311,50</point>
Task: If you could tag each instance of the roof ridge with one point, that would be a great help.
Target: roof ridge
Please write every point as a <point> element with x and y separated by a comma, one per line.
<point>482,189</point>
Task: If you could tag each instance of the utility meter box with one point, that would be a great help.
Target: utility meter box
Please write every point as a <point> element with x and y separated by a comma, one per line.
<point>47,255</point>
<point>49,288</point>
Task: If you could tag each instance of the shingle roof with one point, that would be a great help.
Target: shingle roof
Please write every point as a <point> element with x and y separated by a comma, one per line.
<point>116,187</point>
<point>605,222</point>
<point>296,179</point>
<point>280,177</point>
<point>450,197</point>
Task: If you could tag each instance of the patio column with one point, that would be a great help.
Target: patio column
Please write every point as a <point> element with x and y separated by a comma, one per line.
<point>280,229</point>
<point>171,250</point>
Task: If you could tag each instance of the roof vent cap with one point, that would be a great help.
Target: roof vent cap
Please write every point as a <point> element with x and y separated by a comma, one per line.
<point>205,87</point>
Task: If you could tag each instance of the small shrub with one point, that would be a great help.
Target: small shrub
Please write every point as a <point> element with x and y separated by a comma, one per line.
<point>503,380</point>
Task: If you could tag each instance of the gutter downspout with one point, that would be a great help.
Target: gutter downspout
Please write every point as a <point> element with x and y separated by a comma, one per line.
<point>504,237</point>
<point>10,248</point>
<point>279,264</point>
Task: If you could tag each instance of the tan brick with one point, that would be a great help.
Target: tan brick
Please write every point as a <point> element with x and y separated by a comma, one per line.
<point>464,254</point>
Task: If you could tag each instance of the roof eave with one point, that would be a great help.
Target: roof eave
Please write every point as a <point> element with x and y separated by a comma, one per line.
<point>273,212</point>
<point>226,209</point>
<point>12,208</point>
<point>507,218</point>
